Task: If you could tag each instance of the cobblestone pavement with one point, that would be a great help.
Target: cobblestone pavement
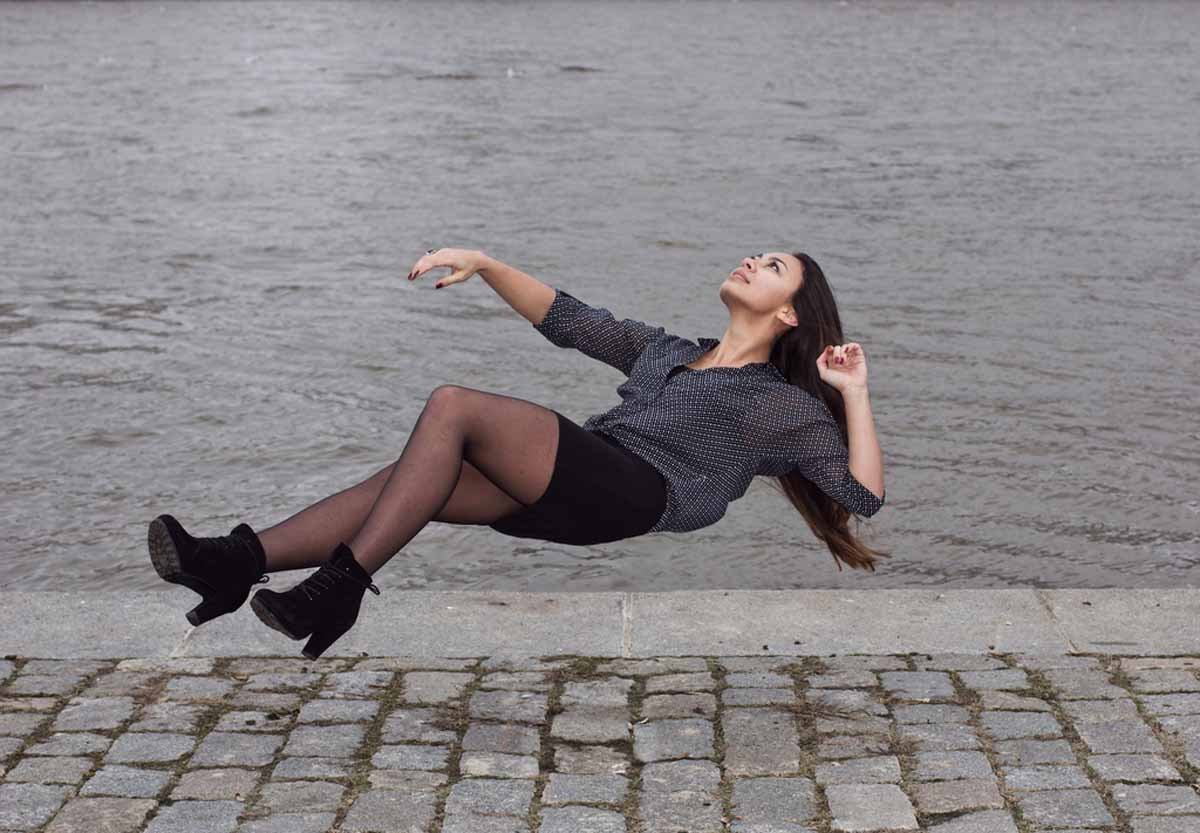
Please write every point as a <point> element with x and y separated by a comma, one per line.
<point>765,744</point>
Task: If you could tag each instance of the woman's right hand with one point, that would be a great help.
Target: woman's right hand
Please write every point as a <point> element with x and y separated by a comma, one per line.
<point>463,263</point>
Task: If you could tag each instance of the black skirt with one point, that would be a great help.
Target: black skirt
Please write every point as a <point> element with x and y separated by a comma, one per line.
<point>599,491</point>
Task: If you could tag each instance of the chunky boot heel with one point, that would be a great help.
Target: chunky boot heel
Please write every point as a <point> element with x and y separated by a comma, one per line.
<point>322,639</point>
<point>222,570</point>
<point>325,605</point>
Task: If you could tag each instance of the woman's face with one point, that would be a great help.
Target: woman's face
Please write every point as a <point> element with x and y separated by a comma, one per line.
<point>764,282</point>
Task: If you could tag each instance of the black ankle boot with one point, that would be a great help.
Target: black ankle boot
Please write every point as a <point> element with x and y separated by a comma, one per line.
<point>222,570</point>
<point>324,605</point>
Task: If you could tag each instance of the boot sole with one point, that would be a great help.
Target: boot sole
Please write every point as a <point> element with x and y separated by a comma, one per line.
<point>268,617</point>
<point>165,558</point>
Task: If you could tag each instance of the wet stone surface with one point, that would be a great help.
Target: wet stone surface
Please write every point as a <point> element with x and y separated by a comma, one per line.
<point>1003,743</point>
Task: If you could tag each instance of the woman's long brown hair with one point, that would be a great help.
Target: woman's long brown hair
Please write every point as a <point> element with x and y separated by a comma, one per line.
<point>795,353</point>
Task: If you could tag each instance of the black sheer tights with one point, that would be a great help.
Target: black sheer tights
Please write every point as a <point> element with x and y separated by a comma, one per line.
<point>473,457</point>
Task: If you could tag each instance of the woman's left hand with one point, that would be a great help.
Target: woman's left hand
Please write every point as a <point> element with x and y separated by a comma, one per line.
<point>843,366</point>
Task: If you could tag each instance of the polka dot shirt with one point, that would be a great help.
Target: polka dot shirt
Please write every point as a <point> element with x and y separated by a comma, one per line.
<point>708,431</point>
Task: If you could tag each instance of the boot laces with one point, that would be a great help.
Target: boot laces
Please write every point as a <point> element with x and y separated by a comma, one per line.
<point>234,549</point>
<point>328,577</point>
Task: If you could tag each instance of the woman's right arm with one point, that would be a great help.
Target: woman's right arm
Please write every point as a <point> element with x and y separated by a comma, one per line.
<point>568,322</point>
<point>524,293</point>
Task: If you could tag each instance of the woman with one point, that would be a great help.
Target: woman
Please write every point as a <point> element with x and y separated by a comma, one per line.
<point>777,395</point>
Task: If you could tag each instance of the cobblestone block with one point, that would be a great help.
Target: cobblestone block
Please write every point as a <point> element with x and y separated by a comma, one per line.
<point>654,665</point>
<point>143,747</point>
<point>126,782</point>
<point>760,741</point>
<point>1001,679</point>
<point>281,681</point>
<point>592,724</point>
<point>1030,752</point>
<point>576,819</point>
<point>49,770</point>
<point>1049,777</point>
<point>1006,725</point>
<point>1007,701</point>
<point>844,679</point>
<point>302,797</point>
<point>180,718</point>
<point>500,796</point>
<point>959,662</point>
<point>516,680</point>
<point>758,679</point>
<point>934,737</point>
<point>659,740</point>
<point>589,760</point>
<point>1063,808</point>
<point>956,796</point>
<point>107,815</point>
<point>1156,799</point>
<point>884,769</point>
<point>338,711</point>
<point>377,810</point>
<point>755,696</point>
<point>845,700</point>
<point>196,817</point>
<point>435,686</point>
<point>501,737</point>
<point>192,689</point>
<point>688,705</point>
<point>918,685</point>
<point>94,713</point>
<point>1118,736</point>
<point>681,682</point>
<point>1171,704</point>
<point>852,746</point>
<point>70,743</point>
<point>1101,711</point>
<point>407,780</point>
<point>862,662</point>
<point>26,806</point>
<point>498,765</point>
<point>567,788</point>
<point>247,721</point>
<point>209,784</point>
<point>681,795</point>
<point>611,691</point>
<point>338,740</point>
<point>1163,681</point>
<point>415,724</point>
<point>1134,768</point>
<point>236,749</point>
<point>520,706</point>
<point>933,713</point>
<point>945,766</point>
<point>357,683</point>
<point>773,802</point>
<point>986,821</point>
<point>290,823</point>
<point>410,756</point>
<point>293,768</point>
<point>858,807</point>
<point>1083,684</point>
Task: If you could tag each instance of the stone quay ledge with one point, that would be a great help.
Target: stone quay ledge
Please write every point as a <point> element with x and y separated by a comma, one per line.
<point>959,711</point>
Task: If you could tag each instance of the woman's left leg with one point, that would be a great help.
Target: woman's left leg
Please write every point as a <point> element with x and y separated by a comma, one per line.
<point>512,441</point>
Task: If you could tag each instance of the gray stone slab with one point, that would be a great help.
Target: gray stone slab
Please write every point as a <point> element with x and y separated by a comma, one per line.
<point>1134,768</point>
<point>770,801</point>
<point>658,740</point>
<point>956,796</point>
<point>985,821</point>
<point>568,788</point>
<point>1046,777</point>
<point>126,782</point>
<point>1156,799</point>
<point>1128,620</point>
<point>210,784</point>
<point>290,823</point>
<point>302,797</point>
<point>142,747</point>
<point>410,756</point>
<point>841,621</point>
<point>49,770</point>
<point>236,749</point>
<point>1036,624</point>
<point>501,796</point>
<point>576,819</point>
<point>882,769</point>
<point>498,764</point>
<point>1063,808</point>
<point>49,623</point>
<point>442,624</point>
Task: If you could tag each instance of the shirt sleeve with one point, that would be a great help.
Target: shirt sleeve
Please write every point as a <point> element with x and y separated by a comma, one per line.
<point>595,332</point>
<point>799,433</point>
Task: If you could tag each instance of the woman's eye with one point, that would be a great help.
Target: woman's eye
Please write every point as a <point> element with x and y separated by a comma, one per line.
<point>775,265</point>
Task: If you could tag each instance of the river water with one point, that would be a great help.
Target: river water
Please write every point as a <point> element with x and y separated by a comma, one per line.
<point>208,211</point>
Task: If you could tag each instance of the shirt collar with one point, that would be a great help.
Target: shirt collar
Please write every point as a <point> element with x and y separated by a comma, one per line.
<point>707,344</point>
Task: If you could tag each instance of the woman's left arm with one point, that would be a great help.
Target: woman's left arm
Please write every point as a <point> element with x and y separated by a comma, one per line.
<point>866,457</point>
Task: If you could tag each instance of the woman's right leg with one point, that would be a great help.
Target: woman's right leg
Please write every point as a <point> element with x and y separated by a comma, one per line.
<point>307,538</point>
